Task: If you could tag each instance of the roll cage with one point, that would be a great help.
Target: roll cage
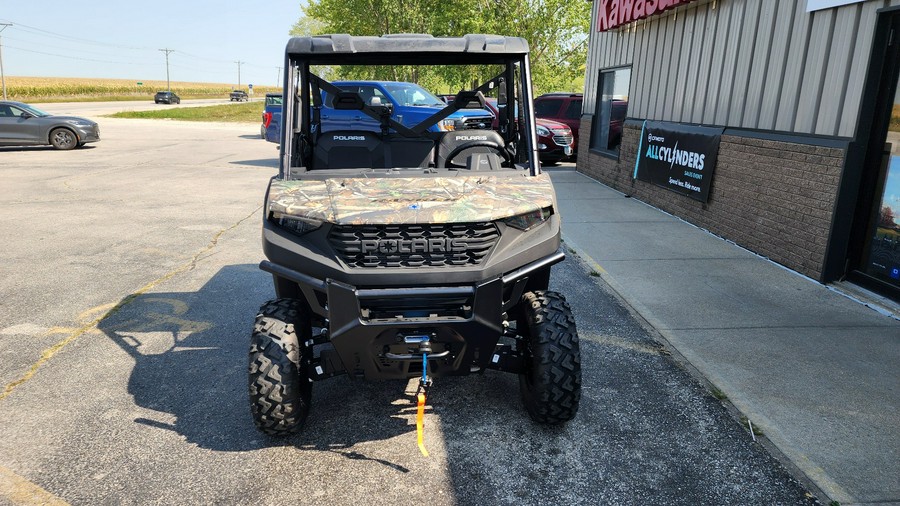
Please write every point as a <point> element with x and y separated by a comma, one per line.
<point>301,124</point>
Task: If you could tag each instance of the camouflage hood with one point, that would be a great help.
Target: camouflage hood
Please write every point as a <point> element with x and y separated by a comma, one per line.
<point>362,201</point>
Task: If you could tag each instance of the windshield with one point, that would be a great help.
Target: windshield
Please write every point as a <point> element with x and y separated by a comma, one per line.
<point>370,123</point>
<point>409,94</point>
<point>35,111</point>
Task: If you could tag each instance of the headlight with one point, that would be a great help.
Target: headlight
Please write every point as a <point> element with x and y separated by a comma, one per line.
<point>299,226</point>
<point>447,125</point>
<point>544,131</point>
<point>530,219</point>
<point>79,122</point>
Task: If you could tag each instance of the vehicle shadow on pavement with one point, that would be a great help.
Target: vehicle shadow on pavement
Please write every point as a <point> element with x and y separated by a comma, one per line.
<point>190,360</point>
<point>190,357</point>
<point>86,147</point>
<point>263,162</point>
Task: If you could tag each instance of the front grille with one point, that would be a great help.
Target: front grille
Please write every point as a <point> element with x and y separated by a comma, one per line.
<point>562,140</point>
<point>429,245</point>
<point>478,123</point>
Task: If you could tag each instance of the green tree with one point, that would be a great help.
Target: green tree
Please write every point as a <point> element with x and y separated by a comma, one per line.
<point>886,218</point>
<point>556,31</point>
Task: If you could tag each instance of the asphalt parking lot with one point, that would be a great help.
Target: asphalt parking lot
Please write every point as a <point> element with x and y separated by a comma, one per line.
<point>128,288</point>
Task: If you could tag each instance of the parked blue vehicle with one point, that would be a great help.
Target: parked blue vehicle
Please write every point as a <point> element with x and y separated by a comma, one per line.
<point>410,105</point>
<point>273,105</point>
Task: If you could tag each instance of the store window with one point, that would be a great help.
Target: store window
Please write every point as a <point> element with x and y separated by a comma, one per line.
<point>612,108</point>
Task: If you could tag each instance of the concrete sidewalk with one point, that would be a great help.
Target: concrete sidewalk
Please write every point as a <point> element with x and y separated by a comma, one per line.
<point>816,371</point>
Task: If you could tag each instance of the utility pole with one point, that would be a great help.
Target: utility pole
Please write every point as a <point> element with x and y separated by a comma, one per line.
<point>167,51</point>
<point>2,75</point>
<point>239,63</point>
<point>278,79</point>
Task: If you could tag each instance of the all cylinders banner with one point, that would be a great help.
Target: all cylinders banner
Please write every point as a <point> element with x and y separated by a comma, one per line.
<point>678,157</point>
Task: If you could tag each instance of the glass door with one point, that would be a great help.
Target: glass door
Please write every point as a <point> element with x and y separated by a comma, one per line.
<point>877,238</point>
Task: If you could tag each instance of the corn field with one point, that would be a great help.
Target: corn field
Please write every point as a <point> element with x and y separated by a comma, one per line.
<point>34,89</point>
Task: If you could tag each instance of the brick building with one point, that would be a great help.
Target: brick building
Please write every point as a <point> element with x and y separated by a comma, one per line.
<point>801,95</point>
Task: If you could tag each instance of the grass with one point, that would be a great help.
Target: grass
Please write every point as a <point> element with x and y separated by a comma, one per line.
<point>244,112</point>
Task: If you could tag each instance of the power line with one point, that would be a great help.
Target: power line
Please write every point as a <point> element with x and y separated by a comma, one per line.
<point>70,57</point>
<point>78,54</point>
<point>38,44</point>
<point>48,33</point>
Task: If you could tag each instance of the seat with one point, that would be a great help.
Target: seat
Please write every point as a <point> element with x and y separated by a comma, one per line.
<point>348,149</point>
<point>480,140</point>
<point>406,152</point>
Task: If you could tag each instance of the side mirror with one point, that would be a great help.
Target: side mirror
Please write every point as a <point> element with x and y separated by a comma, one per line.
<point>501,93</point>
<point>26,115</point>
<point>385,108</point>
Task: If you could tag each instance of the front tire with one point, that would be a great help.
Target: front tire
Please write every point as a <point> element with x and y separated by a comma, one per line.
<point>280,389</point>
<point>63,138</point>
<point>551,383</point>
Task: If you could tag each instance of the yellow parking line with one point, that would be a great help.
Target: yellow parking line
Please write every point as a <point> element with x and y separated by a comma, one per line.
<point>22,492</point>
<point>619,343</point>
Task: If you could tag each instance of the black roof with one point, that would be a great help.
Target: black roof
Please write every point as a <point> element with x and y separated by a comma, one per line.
<point>409,48</point>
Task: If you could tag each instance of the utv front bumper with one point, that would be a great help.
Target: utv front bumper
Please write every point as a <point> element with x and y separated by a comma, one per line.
<point>374,332</point>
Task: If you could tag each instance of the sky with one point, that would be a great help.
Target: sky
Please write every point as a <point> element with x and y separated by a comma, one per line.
<point>122,39</point>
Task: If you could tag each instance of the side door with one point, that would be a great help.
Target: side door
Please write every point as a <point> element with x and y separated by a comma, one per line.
<point>371,95</point>
<point>16,127</point>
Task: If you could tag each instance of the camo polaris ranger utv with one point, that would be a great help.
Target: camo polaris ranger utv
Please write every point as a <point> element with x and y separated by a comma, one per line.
<point>404,251</point>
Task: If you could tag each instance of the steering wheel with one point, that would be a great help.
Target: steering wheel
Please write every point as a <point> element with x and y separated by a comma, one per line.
<point>477,144</point>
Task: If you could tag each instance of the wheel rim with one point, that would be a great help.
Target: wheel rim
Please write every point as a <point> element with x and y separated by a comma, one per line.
<point>63,138</point>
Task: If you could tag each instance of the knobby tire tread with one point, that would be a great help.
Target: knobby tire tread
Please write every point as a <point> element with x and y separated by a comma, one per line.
<point>551,384</point>
<point>279,385</point>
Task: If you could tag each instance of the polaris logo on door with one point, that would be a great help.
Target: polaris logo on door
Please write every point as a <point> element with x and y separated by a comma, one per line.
<point>349,138</point>
<point>433,245</point>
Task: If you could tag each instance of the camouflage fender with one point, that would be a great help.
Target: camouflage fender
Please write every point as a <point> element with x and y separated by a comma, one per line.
<point>364,201</point>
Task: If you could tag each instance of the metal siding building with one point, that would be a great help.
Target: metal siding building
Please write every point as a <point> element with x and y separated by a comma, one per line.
<point>804,92</point>
<point>756,64</point>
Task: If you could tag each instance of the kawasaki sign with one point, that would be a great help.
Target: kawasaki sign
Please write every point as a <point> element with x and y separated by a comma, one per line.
<point>614,13</point>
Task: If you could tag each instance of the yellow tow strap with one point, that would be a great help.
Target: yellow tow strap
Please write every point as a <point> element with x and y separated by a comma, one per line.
<point>420,424</point>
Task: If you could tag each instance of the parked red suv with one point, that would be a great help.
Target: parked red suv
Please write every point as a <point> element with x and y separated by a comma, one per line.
<point>554,138</point>
<point>562,107</point>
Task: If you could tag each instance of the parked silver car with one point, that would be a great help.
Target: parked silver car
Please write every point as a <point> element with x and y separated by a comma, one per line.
<point>22,125</point>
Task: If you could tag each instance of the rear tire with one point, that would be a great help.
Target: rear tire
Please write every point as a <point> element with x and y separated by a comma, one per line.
<point>280,389</point>
<point>551,383</point>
